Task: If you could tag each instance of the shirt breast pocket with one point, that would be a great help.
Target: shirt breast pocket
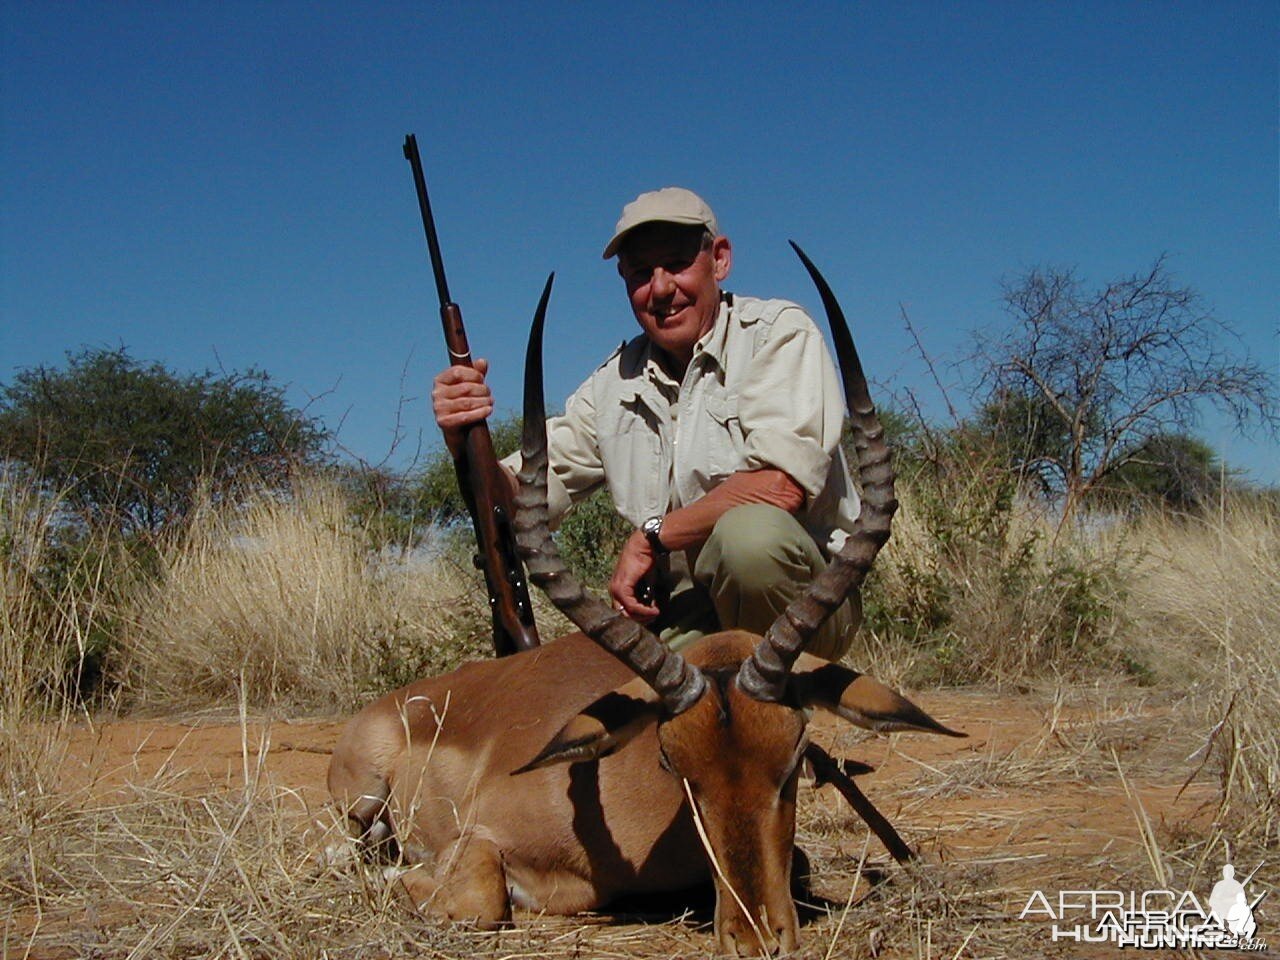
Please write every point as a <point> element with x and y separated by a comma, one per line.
<point>634,468</point>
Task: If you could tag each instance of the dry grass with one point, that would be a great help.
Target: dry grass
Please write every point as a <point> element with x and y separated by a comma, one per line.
<point>1076,741</point>
<point>54,603</point>
<point>281,600</point>
<point>46,628</point>
<point>1205,603</point>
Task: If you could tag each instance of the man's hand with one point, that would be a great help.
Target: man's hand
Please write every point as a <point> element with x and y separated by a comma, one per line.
<point>460,397</point>
<point>634,563</point>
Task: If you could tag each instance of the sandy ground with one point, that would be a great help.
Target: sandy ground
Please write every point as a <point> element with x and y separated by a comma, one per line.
<point>1054,789</point>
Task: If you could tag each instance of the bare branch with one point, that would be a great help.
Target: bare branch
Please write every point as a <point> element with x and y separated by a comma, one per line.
<point>928,362</point>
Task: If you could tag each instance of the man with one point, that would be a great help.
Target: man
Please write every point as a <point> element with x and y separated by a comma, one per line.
<point>716,432</point>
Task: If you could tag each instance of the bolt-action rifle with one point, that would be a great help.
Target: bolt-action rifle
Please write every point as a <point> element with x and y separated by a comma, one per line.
<point>485,487</point>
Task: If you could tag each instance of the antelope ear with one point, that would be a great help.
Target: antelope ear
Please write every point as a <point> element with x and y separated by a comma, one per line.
<point>858,698</point>
<point>605,726</point>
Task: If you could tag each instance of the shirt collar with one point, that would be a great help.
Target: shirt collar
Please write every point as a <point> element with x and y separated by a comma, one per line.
<point>713,342</point>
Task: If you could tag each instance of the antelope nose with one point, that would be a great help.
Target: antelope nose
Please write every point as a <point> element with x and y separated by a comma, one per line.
<point>735,944</point>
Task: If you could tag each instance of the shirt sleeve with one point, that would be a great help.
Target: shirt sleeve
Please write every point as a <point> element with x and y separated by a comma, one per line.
<point>790,405</point>
<point>574,455</point>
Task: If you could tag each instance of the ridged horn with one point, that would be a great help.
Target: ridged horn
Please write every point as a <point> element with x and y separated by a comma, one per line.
<point>764,676</point>
<point>677,682</point>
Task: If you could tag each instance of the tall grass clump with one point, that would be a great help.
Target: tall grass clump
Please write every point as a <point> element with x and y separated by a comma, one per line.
<point>1205,603</point>
<point>33,637</point>
<point>65,587</point>
<point>281,601</point>
<point>977,584</point>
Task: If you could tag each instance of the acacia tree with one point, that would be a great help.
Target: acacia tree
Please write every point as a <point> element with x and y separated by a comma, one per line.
<point>1106,373</point>
<point>131,443</point>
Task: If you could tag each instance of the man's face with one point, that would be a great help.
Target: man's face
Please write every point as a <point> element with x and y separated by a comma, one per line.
<point>673,283</point>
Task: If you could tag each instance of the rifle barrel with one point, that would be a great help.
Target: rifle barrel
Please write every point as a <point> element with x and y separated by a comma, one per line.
<point>428,221</point>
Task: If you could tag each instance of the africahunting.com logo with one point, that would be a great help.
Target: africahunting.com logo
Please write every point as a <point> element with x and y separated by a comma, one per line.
<point>1153,919</point>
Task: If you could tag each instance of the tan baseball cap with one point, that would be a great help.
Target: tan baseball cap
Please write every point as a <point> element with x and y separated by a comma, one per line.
<point>668,205</point>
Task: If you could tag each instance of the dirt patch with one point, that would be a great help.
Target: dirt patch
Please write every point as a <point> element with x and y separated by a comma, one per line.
<point>199,755</point>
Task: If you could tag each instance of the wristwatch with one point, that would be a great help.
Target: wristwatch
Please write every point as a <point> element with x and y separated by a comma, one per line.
<point>652,530</point>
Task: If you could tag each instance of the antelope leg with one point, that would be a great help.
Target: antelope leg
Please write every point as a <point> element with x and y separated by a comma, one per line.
<point>469,885</point>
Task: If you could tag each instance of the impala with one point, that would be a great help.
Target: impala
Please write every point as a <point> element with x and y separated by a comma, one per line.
<point>602,764</point>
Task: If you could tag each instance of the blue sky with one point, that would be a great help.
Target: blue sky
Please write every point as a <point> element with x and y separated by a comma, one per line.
<point>221,184</point>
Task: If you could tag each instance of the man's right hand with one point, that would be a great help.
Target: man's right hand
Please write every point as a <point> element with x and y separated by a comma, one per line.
<point>460,397</point>
<point>634,564</point>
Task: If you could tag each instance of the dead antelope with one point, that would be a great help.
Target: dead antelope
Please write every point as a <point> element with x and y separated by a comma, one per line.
<point>603,763</point>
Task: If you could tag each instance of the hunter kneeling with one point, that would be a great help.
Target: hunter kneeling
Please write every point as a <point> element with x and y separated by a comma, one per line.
<point>716,431</point>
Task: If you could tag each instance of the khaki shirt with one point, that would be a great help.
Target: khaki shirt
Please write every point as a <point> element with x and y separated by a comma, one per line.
<point>761,391</point>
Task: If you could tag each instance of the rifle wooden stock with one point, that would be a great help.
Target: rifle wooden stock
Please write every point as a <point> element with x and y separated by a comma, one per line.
<point>485,487</point>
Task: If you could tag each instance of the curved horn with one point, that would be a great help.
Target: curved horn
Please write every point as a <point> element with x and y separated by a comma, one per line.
<point>678,683</point>
<point>764,675</point>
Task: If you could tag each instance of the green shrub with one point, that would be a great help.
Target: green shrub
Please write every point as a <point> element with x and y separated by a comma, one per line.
<point>591,537</point>
<point>976,584</point>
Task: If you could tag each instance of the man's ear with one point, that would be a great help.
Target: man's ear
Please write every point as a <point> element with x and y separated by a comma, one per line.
<point>605,726</point>
<point>858,698</point>
<point>721,257</point>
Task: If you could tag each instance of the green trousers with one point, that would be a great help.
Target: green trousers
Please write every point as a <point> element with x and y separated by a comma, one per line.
<point>756,561</point>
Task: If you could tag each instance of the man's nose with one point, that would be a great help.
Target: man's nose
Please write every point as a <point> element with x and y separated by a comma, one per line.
<point>662,284</point>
